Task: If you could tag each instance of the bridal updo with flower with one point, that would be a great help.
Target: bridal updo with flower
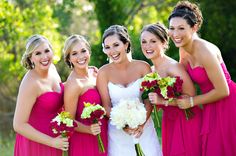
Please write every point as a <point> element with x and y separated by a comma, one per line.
<point>121,31</point>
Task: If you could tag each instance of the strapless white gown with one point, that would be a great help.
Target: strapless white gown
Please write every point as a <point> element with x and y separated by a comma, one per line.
<point>119,142</point>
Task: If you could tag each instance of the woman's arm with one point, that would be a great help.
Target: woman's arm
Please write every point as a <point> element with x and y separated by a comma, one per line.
<point>215,74</point>
<point>102,86</point>
<point>28,93</point>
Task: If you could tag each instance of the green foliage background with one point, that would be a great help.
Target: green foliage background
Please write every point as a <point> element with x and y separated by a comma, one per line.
<point>57,19</point>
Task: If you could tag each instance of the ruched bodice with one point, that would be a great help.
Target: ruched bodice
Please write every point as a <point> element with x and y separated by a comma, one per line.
<point>46,107</point>
<point>219,124</point>
<point>199,76</point>
<point>125,92</point>
<point>85,143</point>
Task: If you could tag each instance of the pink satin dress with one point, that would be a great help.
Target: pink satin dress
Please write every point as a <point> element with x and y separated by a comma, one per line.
<point>83,144</point>
<point>181,137</point>
<point>219,118</point>
<point>44,110</point>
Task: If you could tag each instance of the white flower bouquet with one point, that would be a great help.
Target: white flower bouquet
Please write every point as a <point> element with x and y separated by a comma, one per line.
<point>131,113</point>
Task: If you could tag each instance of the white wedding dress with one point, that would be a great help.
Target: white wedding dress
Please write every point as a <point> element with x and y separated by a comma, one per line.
<point>119,142</point>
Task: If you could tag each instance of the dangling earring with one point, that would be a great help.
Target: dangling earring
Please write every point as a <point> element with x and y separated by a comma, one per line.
<point>107,59</point>
<point>32,65</point>
<point>70,65</point>
<point>126,50</point>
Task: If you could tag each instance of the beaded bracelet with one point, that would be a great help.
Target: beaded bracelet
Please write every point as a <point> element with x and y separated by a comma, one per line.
<point>191,102</point>
<point>166,103</point>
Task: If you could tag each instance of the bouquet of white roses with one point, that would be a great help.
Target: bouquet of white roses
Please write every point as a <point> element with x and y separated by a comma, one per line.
<point>129,112</point>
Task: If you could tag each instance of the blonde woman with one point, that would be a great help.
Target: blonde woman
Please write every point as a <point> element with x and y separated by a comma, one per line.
<point>80,87</point>
<point>39,99</point>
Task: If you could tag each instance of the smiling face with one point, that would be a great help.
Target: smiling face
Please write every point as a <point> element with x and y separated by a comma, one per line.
<point>180,31</point>
<point>42,56</point>
<point>151,45</point>
<point>79,55</point>
<point>115,48</point>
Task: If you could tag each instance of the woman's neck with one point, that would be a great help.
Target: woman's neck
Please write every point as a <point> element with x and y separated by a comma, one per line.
<point>82,73</point>
<point>189,46</point>
<point>158,61</point>
<point>123,65</point>
<point>42,73</point>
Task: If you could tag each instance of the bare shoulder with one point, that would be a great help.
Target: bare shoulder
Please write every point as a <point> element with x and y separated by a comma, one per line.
<point>206,51</point>
<point>30,85</point>
<point>104,70</point>
<point>141,65</point>
<point>175,68</point>
<point>73,85</point>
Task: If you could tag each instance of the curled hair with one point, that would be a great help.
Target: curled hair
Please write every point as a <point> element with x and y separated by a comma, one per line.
<point>189,11</point>
<point>70,43</point>
<point>159,30</point>
<point>122,33</point>
<point>32,43</point>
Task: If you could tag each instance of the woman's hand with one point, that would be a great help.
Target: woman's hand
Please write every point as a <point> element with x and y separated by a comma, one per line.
<point>155,99</point>
<point>183,102</point>
<point>138,131</point>
<point>60,143</point>
<point>128,130</point>
<point>95,129</point>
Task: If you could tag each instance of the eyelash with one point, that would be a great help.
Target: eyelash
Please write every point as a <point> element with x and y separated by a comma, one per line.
<point>115,45</point>
<point>178,28</point>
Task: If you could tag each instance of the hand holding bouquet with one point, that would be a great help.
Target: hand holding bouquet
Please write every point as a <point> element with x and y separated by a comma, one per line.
<point>131,113</point>
<point>168,88</point>
<point>63,124</point>
<point>93,113</point>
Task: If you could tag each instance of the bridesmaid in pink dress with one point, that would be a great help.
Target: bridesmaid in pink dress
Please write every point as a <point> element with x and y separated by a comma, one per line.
<point>206,67</point>
<point>39,99</point>
<point>79,88</point>
<point>179,136</point>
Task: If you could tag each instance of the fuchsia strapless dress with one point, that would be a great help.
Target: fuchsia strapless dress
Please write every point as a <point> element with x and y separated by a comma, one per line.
<point>219,118</point>
<point>83,144</point>
<point>181,137</point>
<point>44,110</point>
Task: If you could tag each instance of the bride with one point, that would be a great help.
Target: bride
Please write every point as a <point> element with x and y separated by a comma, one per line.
<point>121,79</point>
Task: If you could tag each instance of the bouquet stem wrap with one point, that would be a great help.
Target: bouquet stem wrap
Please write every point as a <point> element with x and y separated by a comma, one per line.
<point>138,149</point>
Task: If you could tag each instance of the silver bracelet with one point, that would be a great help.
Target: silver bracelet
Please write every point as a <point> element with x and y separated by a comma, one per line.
<point>166,103</point>
<point>191,102</point>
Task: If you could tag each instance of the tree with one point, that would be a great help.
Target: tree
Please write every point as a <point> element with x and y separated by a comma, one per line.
<point>17,23</point>
<point>218,28</point>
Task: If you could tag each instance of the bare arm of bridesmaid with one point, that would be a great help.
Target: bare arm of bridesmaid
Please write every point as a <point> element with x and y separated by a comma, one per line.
<point>210,60</point>
<point>102,86</point>
<point>28,93</point>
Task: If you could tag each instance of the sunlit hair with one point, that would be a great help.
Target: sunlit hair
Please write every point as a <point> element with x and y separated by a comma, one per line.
<point>70,43</point>
<point>122,33</point>
<point>188,11</point>
<point>32,43</point>
<point>159,30</point>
